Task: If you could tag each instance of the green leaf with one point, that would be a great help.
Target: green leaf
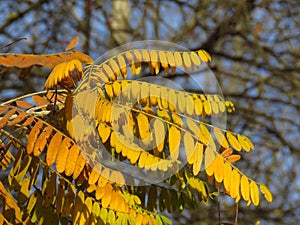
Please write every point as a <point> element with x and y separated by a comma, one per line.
<point>165,219</point>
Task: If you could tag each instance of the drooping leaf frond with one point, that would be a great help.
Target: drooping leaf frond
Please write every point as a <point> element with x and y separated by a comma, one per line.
<point>64,171</point>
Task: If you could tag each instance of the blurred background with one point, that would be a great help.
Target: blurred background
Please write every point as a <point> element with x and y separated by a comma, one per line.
<point>255,46</point>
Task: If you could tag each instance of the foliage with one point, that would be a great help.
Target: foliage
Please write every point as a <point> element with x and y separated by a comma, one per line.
<point>51,180</point>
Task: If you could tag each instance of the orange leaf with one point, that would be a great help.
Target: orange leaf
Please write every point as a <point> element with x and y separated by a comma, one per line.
<point>233,158</point>
<point>55,148</point>
<point>72,43</point>
<point>39,100</point>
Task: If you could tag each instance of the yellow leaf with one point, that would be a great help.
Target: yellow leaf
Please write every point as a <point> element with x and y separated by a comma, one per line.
<point>154,58</point>
<point>204,56</point>
<point>209,158</point>
<point>177,119</point>
<point>95,174</point>
<point>104,132</point>
<point>145,55</point>
<point>103,179</point>
<point>122,65</point>
<point>163,61</point>
<point>254,193</point>
<point>204,134</point>
<point>190,106</point>
<point>181,102</point>
<point>159,134</point>
<point>266,192</point>
<point>174,142</point>
<point>193,127</point>
<point>189,145</point>
<point>233,141</point>
<point>245,189</point>
<point>107,196</point>
<point>198,106</point>
<point>195,59</point>
<point>109,73</point>
<point>186,60</point>
<point>109,90</point>
<point>172,100</point>
<point>198,157</point>
<point>178,59</point>
<point>245,143</point>
<point>207,107</point>
<point>164,114</point>
<point>171,61</point>
<point>143,126</point>
<point>164,98</point>
<point>137,60</point>
<point>221,138</point>
<point>142,160</point>
<point>115,67</point>
<point>227,176</point>
<point>235,184</point>
<point>219,168</point>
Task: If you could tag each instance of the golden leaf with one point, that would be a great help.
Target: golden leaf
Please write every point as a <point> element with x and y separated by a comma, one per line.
<point>163,61</point>
<point>104,132</point>
<point>159,134</point>
<point>227,176</point>
<point>245,143</point>
<point>221,138</point>
<point>107,196</point>
<point>219,168</point>
<point>178,59</point>
<point>42,140</point>
<point>143,126</point>
<point>235,184</point>
<point>18,119</point>
<point>198,106</point>
<point>266,192</point>
<point>171,61</point>
<point>80,163</point>
<point>204,56</point>
<point>233,141</point>
<point>122,65</point>
<point>72,43</point>
<point>33,135</point>
<point>198,157</point>
<point>245,189</point>
<point>189,146</point>
<point>186,60</point>
<point>174,142</point>
<point>115,67</point>
<point>254,192</point>
<point>71,160</point>
<point>195,59</point>
<point>61,154</point>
